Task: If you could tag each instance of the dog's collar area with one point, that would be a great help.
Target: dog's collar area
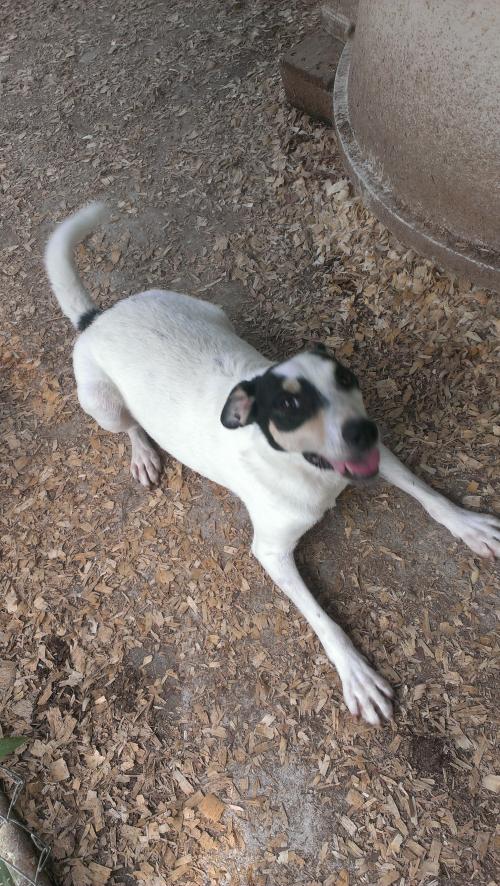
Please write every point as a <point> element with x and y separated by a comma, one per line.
<point>318,461</point>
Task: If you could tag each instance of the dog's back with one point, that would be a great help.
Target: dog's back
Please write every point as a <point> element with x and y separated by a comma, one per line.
<point>186,356</point>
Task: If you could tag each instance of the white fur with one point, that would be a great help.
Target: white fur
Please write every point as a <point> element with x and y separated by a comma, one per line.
<point>164,364</point>
<point>59,262</point>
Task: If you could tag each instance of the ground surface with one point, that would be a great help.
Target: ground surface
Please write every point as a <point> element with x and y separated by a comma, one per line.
<point>146,656</point>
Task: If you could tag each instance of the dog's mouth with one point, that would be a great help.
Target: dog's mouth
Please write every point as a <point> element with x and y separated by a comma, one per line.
<point>363,468</point>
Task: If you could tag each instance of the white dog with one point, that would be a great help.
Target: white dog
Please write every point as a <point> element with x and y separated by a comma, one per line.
<point>286,438</point>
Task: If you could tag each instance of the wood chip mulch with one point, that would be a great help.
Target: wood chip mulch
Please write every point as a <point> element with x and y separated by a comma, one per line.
<point>184,725</point>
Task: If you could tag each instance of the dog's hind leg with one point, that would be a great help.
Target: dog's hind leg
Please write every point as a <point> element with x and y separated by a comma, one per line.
<point>104,403</point>
<point>101,399</point>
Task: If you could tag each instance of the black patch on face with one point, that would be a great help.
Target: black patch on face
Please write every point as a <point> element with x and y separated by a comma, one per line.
<point>344,378</point>
<point>87,318</point>
<point>287,410</point>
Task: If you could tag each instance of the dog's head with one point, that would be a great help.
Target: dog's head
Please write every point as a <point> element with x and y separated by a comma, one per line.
<point>313,405</point>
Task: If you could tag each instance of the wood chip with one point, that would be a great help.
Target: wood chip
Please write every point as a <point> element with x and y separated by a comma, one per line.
<point>211,807</point>
<point>59,770</point>
<point>183,723</point>
<point>492,783</point>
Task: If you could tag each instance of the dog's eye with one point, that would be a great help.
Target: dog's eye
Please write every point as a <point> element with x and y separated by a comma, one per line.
<point>287,403</point>
<point>345,378</point>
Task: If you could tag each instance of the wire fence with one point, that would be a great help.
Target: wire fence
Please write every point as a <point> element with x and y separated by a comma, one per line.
<point>28,854</point>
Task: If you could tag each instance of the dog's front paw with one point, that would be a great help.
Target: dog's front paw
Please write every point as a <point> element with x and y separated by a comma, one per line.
<point>480,532</point>
<point>366,693</point>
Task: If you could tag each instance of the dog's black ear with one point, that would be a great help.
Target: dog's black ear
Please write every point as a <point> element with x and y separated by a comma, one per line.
<point>239,409</point>
<point>319,347</point>
<point>321,350</point>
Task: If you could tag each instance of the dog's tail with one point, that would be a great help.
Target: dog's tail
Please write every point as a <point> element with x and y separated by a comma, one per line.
<point>72,296</point>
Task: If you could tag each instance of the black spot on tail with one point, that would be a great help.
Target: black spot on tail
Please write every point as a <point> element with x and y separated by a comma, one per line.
<point>87,318</point>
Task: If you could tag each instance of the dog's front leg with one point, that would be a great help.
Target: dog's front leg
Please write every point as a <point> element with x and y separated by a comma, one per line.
<point>481,532</point>
<point>366,693</point>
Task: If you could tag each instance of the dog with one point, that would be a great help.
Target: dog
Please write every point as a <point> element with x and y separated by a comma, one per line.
<point>286,438</point>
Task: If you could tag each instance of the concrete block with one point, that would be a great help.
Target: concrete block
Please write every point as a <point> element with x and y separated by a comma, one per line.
<point>308,74</point>
<point>338,17</point>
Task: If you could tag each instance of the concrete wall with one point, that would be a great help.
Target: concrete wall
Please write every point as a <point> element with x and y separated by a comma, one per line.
<point>423,96</point>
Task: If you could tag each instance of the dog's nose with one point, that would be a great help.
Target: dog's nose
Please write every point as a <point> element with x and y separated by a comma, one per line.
<point>360,433</point>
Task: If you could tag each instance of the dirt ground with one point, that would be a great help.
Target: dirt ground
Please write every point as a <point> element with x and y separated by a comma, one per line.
<point>184,725</point>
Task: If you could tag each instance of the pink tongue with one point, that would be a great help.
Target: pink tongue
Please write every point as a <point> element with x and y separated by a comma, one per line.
<point>363,468</point>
